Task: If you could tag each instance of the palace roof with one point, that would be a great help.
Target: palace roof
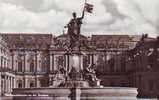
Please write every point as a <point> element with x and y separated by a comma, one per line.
<point>28,40</point>
<point>45,41</point>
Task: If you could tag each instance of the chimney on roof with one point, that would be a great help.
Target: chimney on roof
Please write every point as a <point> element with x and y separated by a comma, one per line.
<point>144,36</point>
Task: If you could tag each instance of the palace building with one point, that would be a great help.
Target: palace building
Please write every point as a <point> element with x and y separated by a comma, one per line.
<point>6,69</point>
<point>34,60</point>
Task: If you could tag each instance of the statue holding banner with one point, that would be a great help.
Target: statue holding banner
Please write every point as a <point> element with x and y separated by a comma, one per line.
<point>74,26</point>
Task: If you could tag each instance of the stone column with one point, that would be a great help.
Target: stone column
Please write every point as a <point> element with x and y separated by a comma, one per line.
<point>7,86</point>
<point>10,81</point>
<point>95,58</point>
<point>26,62</point>
<point>66,62</point>
<point>55,66</point>
<point>92,59</point>
<point>24,69</point>
<point>108,57</point>
<point>51,57</point>
<point>81,62</point>
<point>14,83</point>
<point>15,63</point>
<point>105,62</point>
<point>5,67</point>
<point>2,63</point>
<point>5,83</point>
<point>25,82</point>
<point>116,62</point>
<point>11,84</point>
<point>89,57</point>
<point>36,61</point>
<point>53,61</point>
<point>37,81</point>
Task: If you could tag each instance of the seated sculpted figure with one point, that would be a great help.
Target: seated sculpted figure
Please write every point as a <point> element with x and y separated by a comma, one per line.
<point>62,70</point>
<point>90,71</point>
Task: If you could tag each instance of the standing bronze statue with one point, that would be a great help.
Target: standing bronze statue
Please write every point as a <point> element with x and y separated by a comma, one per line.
<point>74,27</point>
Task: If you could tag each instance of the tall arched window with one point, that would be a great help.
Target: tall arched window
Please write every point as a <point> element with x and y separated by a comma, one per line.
<point>20,66</point>
<point>19,83</point>
<point>31,63</point>
<point>20,63</point>
<point>123,64</point>
<point>31,84</point>
<point>100,64</point>
<point>32,66</point>
<point>45,62</point>
<point>112,65</point>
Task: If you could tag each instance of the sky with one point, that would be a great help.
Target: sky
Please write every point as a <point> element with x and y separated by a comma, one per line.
<point>125,17</point>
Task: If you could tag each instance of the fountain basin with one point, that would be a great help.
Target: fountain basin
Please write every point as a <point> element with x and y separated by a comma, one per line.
<point>90,93</point>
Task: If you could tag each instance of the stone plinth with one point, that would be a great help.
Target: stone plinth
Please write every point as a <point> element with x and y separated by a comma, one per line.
<point>92,93</point>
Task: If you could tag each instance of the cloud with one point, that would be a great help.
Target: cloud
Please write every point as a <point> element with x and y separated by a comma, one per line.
<point>109,16</point>
<point>136,20</point>
<point>15,18</point>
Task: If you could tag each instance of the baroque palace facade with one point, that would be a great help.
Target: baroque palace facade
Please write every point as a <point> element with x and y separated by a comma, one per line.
<point>34,60</point>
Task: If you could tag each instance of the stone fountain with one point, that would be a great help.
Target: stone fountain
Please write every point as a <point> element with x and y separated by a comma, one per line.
<point>79,83</point>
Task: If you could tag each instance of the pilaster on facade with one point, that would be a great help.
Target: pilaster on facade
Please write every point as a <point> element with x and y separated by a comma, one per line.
<point>35,63</point>
<point>51,61</point>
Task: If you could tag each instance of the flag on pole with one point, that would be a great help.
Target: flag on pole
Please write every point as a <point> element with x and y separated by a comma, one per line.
<point>88,7</point>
